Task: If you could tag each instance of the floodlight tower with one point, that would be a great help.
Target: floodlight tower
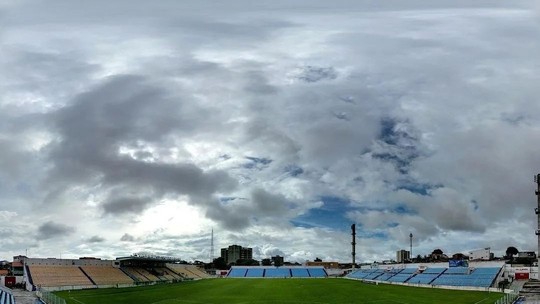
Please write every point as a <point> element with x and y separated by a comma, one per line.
<point>353,243</point>
<point>537,211</point>
<point>410,252</point>
<point>212,247</point>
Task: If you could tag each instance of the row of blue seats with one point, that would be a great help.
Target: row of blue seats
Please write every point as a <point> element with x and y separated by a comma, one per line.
<point>453,276</point>
<point>272,272</point>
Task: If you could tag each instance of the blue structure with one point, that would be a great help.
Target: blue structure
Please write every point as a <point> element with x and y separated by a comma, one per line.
<point>276,272</point>
<point>237,272</point>
<point>6,297</point>
<point>452,276</point>
<point>300,273</point>
<point>479,277</point>
<point>255,273</point>
<point>317,272</point>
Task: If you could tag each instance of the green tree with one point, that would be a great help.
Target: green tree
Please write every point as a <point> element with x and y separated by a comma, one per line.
<point>220,263</point>
<point>511,251</point>
<point>437,251</point>
<point>266,262</point>
<point>247,262</point>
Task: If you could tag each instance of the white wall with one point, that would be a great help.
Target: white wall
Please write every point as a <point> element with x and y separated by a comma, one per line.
<point>67,262</point>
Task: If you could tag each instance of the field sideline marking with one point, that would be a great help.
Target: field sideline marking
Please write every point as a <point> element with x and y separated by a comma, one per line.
<point>481,301</point>
<point>76,300</point>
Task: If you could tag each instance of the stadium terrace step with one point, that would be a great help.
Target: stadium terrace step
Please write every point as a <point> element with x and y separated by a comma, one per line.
<point>276,272</point>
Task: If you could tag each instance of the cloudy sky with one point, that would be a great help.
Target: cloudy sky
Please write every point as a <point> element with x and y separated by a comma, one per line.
<point>137,126</point>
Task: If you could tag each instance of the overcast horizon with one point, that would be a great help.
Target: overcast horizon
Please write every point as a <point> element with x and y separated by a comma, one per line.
<point>136,127</point>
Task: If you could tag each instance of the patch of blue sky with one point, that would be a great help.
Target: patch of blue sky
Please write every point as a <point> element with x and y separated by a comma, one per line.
<point>227,199</point>
<point>256,162</point>
<point>402,209</point>
<point>335,211</point>
<point>333,214</point>
<point>381,235</point>
<point>475,205</point>
<point>419,188</point>
<point>294,170</point>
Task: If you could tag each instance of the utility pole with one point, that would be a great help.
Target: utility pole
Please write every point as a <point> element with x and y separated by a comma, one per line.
<point>410,252</point>
<point>537,211</point>
<point>212,247</point>
<point>353,243</point>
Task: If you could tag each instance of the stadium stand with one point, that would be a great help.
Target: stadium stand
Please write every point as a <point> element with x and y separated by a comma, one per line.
<point>479,277</point>
<point>317,272</point>
<point>188,271</point>
<point>6,296</point>
<point>457,270</point>
<point>422,278</point>
<point>360,273</point>
<point>400,277</point>
<point>255,273</point>
<point>375,274</point>
<point>103,275</point>
<point>300,273</point>
<point>452,276</point>
<point>237,272</point>
<point>276,272</point>
<point>166,274</point>
<point>51,276</point>
<point>197,272</point>
<point>151,277</point>
<point>133,272</point>
<point>434,270</point>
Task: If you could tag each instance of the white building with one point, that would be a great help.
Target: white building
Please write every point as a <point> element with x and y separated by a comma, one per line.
<point>402,256</point>
<point>480,254</point>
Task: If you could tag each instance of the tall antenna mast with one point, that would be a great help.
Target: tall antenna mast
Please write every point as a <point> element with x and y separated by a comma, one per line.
<point>212,246</point>
<point>537,211</point>
<point>353,243</point>
<point>410,253</point>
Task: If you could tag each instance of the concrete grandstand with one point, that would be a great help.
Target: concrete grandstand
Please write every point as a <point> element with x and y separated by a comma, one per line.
<point>480,276</point>
<point>277,272</point>
<point>61,274</point>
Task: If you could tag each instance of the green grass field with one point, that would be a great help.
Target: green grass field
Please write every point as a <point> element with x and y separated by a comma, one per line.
<point>266,291</point>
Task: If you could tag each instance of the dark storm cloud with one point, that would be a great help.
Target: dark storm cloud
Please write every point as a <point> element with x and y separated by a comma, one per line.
<point>261,207</point>
<point>51,229</point>
<point>96,239</point>
<point>127,238</point>
<point>313,73</point>
<point>123,113</point>
<point>122,205</point>
<point>418,105</point>
<point>399,144</point>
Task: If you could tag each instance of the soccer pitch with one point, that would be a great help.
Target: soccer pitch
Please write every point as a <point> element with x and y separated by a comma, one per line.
<point>266,291</point>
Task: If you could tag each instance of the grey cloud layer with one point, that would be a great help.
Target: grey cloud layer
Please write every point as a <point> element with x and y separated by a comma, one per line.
<point>414,113</point>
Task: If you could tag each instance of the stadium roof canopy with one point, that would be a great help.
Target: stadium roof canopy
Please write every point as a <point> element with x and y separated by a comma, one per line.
<point>149,258</point>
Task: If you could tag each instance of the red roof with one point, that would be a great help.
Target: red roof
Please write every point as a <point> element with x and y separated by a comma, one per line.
<point>16,264</point>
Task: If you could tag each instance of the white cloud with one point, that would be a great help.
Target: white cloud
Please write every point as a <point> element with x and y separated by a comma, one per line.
<point>142,123</point>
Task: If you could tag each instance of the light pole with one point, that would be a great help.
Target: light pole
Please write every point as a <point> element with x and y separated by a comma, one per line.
<point>410,252</point>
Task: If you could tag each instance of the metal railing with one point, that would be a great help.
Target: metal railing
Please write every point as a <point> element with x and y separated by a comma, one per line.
<point>508,298</point>
<point>49,297</point>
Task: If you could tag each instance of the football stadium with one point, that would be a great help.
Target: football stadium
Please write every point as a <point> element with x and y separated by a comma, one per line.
<point>154,279</point>
<point>130,130</point>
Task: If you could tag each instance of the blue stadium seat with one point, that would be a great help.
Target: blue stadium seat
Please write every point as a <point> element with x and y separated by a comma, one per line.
<point>317,272</point>
<point>422,278</point>
<point>277,273</point>
<point>479,277</point>
<point>255,273</point>
<point>299,273</point>
<point>237,272</point>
